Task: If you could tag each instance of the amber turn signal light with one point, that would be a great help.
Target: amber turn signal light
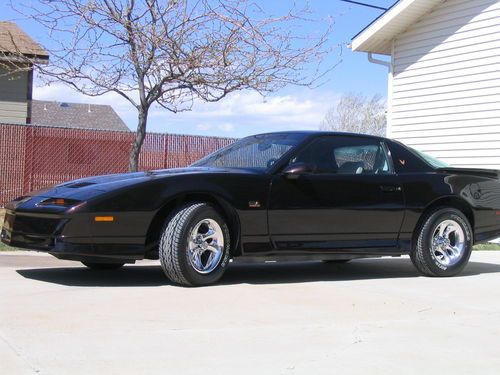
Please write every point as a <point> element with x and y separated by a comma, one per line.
<point>104,218</point>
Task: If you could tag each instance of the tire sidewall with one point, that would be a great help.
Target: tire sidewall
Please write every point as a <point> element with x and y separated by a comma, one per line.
<point>203,212</point>
<point>427,235</point>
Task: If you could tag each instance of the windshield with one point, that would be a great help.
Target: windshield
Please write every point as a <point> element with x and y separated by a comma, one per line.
<point>258,152</point>
<point>436,163</point>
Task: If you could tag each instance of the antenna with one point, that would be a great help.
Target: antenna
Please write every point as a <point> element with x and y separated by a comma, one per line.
<point>365,5</point>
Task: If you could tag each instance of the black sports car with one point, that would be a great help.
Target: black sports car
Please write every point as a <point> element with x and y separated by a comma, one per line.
<point>291,195</point>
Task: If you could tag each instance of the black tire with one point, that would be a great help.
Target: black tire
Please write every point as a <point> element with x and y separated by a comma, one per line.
<point>173,249</point>
<point>103,266</point>
<point>422,255</point>
<point>337,261</point>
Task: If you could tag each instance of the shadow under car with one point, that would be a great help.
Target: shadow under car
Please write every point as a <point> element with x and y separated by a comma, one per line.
<point>254,273</point>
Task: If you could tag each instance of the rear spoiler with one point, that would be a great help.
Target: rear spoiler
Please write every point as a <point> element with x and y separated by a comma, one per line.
<point>492,173</point>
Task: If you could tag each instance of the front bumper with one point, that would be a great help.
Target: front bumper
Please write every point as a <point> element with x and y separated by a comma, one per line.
<point>33,231</point>
<point>67,237</point>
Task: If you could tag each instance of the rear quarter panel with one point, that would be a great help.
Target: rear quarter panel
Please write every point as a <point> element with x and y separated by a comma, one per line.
<point>481,194</point>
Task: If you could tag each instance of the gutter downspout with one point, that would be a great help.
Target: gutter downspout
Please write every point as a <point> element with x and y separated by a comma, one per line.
<point>373,60</point>
<point>390,69</point>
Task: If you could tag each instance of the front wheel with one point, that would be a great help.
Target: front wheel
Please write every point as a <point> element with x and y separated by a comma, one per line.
<point>444,243</point>
<point>195,246</point>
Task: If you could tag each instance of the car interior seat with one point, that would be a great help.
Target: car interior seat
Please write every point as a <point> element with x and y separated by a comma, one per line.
<point>351,167</point>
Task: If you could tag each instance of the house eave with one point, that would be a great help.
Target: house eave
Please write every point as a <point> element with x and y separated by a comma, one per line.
<point>378,36</point>
<point>24,59</point>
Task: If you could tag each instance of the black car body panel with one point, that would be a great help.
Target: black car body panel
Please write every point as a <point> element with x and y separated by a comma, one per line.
<point>315,215</point>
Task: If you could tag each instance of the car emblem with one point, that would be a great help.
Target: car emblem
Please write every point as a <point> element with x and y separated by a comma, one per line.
<point>402,161</point>
<point>254,204</point>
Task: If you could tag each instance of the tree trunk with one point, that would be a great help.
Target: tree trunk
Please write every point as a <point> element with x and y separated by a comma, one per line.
<point>133,163</point>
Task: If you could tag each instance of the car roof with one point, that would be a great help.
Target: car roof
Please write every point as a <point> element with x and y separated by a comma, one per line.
<point>323,132</point>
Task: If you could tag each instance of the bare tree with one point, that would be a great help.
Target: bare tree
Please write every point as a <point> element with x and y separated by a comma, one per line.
<point>173,52</point>
<point>356,113</point>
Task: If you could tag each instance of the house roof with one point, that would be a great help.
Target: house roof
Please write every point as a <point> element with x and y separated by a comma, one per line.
<point>377,36</point>
<point>76,115</point>
<point>13,40</point>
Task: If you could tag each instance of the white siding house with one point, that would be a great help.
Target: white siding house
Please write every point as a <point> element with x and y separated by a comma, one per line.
<point>444,77</point>
<point>14,96</point>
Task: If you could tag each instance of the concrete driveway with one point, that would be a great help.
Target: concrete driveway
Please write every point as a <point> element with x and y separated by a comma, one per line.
<point>369,316</point>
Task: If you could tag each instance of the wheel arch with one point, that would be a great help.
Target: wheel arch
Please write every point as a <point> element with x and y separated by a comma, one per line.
<point>224,208</point>
<point>446,202</point>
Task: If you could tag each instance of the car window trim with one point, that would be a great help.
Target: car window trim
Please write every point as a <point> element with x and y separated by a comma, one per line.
<point>388,156</point>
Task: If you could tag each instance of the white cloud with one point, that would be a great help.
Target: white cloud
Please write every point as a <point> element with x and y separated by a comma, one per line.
<point>203,126</point>
<point>226,127</point>
<point>239,114</point>
<point>246,113</point>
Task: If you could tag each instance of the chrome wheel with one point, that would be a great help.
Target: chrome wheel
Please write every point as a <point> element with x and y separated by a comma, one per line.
<point>448,243</point>
<point>205,246</point>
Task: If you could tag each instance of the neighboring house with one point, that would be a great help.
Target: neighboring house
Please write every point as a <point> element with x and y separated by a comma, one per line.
<point>76,115</point>
<point>16,86</point>
<point>16,76</point>
<point>444,76</point>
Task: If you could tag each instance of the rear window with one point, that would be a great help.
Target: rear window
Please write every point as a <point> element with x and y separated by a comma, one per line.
<point>436,163</point>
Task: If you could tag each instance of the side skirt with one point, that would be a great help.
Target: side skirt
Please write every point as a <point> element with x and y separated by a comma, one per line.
<point>305,257</point>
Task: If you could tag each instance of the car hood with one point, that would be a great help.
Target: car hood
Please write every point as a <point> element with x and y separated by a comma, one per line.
<point>87,188</point>
<point>91,188</point>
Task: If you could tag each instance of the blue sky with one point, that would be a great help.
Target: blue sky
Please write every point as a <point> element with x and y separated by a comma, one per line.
<point>246,112</point>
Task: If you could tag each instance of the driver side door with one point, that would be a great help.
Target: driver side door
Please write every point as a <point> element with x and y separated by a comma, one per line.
<point>350,200</point>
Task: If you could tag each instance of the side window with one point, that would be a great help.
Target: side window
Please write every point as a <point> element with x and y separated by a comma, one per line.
<point>345,155</point>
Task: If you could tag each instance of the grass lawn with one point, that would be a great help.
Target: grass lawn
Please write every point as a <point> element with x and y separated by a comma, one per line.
<point>484,246</point>
<point>4,247</point>
<point>487,246</point>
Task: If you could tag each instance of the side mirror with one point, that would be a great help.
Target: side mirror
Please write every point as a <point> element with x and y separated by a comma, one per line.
<point>293,171</point>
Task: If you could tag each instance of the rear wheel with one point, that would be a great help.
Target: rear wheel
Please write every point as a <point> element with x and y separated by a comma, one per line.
<point>103,266</point>
<point>195,245</point>
<point>444,243</point>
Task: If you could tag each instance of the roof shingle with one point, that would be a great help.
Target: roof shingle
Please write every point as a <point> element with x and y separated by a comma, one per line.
<point>76,115</point>
<point>13,40</point>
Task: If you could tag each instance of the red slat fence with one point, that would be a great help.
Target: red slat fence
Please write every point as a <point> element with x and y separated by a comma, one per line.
<point>35,157</point>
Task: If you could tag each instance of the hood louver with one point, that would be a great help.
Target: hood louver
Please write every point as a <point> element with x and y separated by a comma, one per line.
<point>76,185</point>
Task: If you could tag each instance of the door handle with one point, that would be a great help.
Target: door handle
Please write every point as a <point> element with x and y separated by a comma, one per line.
<point>390,188</point>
